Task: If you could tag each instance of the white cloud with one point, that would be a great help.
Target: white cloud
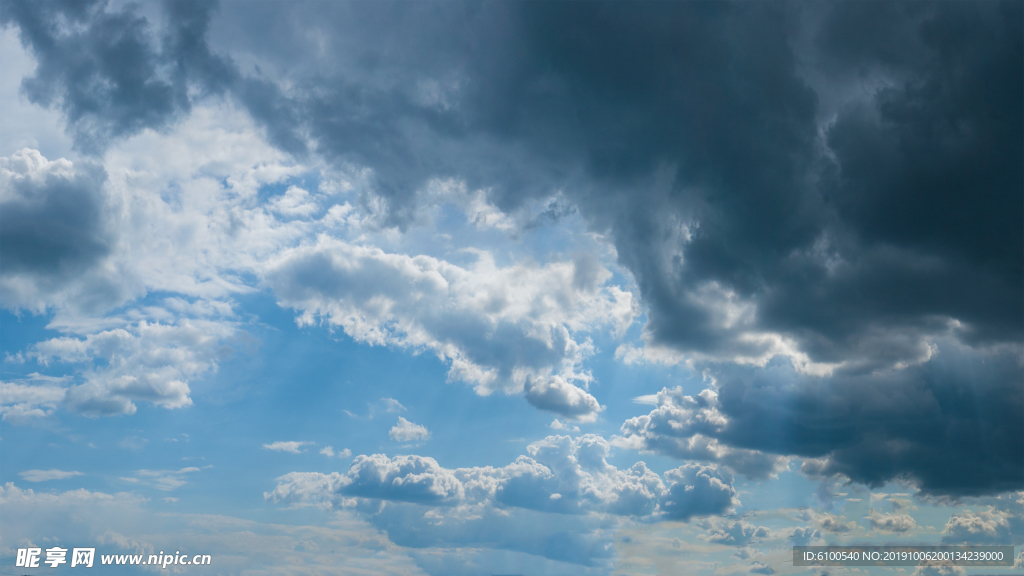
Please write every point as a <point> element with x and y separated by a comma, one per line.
<point>564,486</point>
<point>182,213</point>
<point>31,398</point>
<point>574,469</point>
<point>151,362</point>
<point>330,453</point>
<point>736,533</point>
<point>557,424</point>
<point>835,524</point>
<point>292,447</point>
<point>406,431</point>
<point>984,527</point>
<point>508,329</point>
<point>295,202</point>
<point>684,427</point>
<point>45,475</point>
<point>897,523</point>
<point>165,480</point>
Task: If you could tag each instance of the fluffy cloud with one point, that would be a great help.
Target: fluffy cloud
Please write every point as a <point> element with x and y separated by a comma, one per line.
<point>891,522</point>
<point>738,533</point>
<point>685,427</point>
<point>696,490</point>
<point>803,536</point>
<point>993,526</point>
<point>560,475</point>
<point>331,453</point>
<point>421,503</point>
<point>150,362</point>
<point>406,431</point>
<point>835,524</point>
<point>506,329</point>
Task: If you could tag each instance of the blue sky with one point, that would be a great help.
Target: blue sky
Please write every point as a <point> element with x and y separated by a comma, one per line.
<point>456,288</point>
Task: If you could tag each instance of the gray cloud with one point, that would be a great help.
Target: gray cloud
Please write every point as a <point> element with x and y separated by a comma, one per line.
<point>738,533</point>
<point>900,423</point>
<point>54,219</point>
<point>98,67</point>
<point>697,490</point>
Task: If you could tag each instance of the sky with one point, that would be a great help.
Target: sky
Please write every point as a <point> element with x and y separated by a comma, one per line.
<point>492,288</point>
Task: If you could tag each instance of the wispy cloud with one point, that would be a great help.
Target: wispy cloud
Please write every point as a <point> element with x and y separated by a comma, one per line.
<point>165,480</point>
<point>290,447</point>
<point>44,475</point>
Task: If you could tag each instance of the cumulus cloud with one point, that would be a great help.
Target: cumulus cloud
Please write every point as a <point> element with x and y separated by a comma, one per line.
<point>46,475</point>
<point>738,533</point>
<point>567,480</point>
<point>803,535</point>
<point>992,526</point>
<point>814,239</point>
<point>292,447</point>
<point>150,362</point>
<point>835,524</point>
<point>506,329</point>
<point>894,522</point>
<point>560,475</point>
<point>685,427</point>
<point>406,431</point>
<point>697,490</point>
<point>331,453</point>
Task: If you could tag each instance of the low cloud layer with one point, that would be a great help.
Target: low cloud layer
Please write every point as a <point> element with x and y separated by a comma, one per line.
<point>562,482</point>
<point>561,475</point>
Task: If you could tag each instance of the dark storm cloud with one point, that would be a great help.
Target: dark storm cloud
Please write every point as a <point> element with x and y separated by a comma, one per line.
<point>690,132</point>
<point>112,74</point>
<point>911,424</point>
<point>53,220</point>
<point>97,67</point>
<point>846,178</point>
